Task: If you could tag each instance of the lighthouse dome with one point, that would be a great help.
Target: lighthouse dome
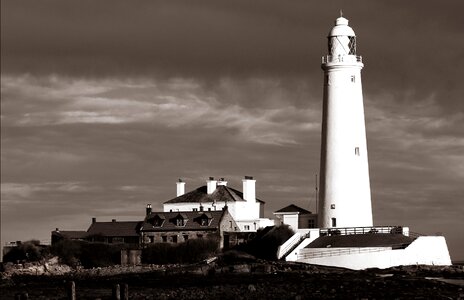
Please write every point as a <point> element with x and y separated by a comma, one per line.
<point>341,28</point>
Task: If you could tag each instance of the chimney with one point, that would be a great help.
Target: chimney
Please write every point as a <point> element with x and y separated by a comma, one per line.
<point>148,209</point>
<point>113,220</point>
<point>94,220</point>
<point>211,185</point>
<point>180,187</point>
<point>57,229</point>
<point>222,182</point>
<point>249,189</point>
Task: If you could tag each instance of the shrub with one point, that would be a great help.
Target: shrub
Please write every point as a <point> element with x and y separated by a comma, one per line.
<point>267,241</point>
<point>88,254</point>
<point>68,251</point>
<point>27,251</point>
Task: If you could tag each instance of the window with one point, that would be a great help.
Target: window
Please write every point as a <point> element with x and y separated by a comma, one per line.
<point>174,238</point>
<point>209,208</point>
<point>157,222</point>
<point>164,239</point>
<point>332,206</point>
<point>230,224</point>
<point>200,236</point>
<point>334,222</point>
<point>180,222</point>
<point>352,45</point>
<point>246,227</point>
<point>353,78</point>
<point>117,240</point>
<point>356,151</point>
<point>204,222</point>
<point>311,223</point>
<point>186,237</point>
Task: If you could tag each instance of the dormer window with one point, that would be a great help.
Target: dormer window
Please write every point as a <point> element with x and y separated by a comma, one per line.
<point>157,220</point>
<point>180,222</point>
<point>204,219</point>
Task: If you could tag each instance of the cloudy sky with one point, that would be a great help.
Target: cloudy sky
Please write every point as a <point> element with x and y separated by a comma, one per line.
<point>105,104</point>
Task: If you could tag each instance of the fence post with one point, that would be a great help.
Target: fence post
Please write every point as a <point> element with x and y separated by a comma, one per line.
<point>71,290</point>
<point>124,291</point>
<point>21,296</point>
<point>116,292</point>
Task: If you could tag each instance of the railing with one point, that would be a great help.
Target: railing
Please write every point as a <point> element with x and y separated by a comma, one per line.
<point>288,245</point>
<point>341,58</point>
<point>361,230</point>
<point>344,251</point>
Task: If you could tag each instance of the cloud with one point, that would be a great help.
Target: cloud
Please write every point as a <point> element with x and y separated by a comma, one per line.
<point>173,103</point>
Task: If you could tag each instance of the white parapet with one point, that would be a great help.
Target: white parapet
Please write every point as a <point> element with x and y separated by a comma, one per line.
<point>425,250</point>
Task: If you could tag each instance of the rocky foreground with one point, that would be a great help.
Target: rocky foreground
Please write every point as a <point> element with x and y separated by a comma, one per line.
<point>234,280</point>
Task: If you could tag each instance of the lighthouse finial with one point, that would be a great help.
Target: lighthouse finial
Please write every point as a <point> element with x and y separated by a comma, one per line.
<point>341,13</point>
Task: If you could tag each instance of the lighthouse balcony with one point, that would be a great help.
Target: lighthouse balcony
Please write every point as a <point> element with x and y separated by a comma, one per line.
<point>341,59</point>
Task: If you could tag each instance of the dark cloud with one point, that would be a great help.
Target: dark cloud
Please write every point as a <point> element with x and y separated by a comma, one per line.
<point>411,49</point>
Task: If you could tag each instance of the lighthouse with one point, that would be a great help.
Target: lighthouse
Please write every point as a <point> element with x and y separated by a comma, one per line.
<point>344,193</point>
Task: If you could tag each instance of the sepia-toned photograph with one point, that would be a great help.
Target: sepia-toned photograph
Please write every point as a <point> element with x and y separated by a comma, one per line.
<point>219,149</point>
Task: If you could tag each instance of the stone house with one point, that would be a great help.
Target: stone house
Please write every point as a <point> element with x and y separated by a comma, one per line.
<point>180,226</point>
<point>114,232</point>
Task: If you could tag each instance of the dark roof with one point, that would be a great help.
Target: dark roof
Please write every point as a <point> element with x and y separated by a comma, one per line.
<point>293,208</point>
<point>360,240</point>
<point>72,235</point>
<point>123,229</point>
<point>200,195</point>
<point>192,220</point>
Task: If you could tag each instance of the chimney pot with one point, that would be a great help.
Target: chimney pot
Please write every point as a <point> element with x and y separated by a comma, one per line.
<point>94,220</point>
<point>57,229</point>
<point>113,220</point>
<point>222,182</point>
<point>148,209</point>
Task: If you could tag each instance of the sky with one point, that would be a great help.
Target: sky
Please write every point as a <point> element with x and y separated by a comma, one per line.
<point>105,104</point>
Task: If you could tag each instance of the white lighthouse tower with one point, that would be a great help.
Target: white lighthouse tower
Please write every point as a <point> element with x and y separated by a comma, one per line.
<point>345,196</point>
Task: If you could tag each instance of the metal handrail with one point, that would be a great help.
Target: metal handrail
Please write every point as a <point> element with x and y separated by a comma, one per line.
<point>361,230</point>
<point>338,252</point>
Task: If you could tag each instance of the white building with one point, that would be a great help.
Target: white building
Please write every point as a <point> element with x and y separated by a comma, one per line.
<point>346,237</point>
<point>345,196</point>
<point>245,208</point>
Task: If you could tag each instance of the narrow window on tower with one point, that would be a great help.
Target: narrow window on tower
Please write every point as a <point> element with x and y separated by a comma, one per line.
<point>332,206</point>
<point>356,151</point>
<point>334,222</point>
<point>353,78</point>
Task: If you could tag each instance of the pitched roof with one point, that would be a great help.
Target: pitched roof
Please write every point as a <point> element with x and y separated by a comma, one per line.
<point>360,240</point>
<point>71,234</point>
<point>192,220</point>
<point>123,229</point>
<point>200,195</point>
<point>293,208</point>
